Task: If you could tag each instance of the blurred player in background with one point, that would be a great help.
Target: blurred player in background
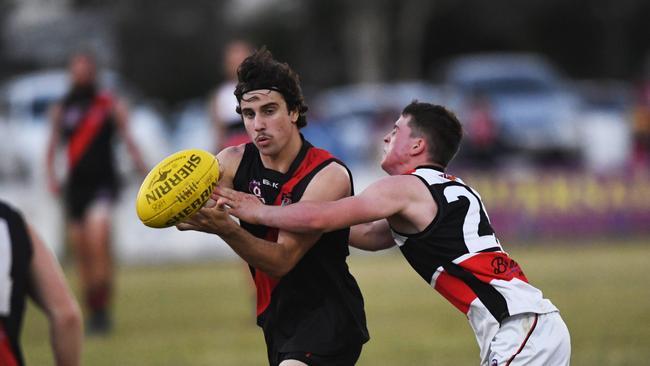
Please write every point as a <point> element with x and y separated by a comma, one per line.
<point>308,304</point>
<point>28,268</point>
<point>443,231</point>
<point>87,119</point>
<point>228,126</point>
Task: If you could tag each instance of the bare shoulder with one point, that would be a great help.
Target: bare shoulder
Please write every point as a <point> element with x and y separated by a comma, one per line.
<point>229,160</point>
<point>330,183</point>
<point>398,186</point>
<point>333,171</point>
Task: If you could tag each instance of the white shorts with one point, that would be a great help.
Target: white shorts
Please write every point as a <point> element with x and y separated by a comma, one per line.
<point>530,339</point>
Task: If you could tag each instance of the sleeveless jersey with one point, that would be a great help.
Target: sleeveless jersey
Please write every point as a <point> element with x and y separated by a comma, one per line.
<point>317,306</point>
<point>88,127</point>
<point>459,255</point>
<point>15,258</point>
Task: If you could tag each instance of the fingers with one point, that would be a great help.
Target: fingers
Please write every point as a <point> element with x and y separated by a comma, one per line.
<point>225,192</point>
<point>210,203</point>
<point>225,203</point>
<point>184,226</point>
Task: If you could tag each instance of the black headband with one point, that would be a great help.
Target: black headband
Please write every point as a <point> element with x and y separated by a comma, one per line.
<point>251,87</point>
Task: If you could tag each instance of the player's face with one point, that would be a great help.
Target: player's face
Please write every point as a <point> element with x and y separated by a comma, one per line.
<point>397,147</point>
<point>82,70</point>
<point>268,122</point>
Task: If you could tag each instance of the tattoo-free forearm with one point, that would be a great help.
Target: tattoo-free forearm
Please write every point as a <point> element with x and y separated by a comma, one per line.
<point>300,217</point>
<point>267,256</point>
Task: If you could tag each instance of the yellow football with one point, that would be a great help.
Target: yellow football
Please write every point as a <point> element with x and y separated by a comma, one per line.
<point>177,187</point>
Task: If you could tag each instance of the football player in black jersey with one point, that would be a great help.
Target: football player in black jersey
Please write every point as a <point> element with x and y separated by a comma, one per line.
<point>86,120</point>
<point>308,304</point>
<point>442,228</point>
<point>28,268</point>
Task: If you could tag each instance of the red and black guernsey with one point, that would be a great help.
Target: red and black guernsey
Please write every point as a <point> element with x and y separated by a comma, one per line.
<point>88,127</point>
<point>317,306</point>
<point>15,239</point>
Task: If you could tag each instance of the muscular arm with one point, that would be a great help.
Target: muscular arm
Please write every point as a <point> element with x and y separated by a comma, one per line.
<point>403,200</point>
<point>380,200</point>
<point>51,293</point>
<point>274,258</point>
<point>371,236</point>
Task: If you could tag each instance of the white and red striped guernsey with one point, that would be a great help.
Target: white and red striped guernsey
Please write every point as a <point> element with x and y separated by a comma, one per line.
<point>460,256</point>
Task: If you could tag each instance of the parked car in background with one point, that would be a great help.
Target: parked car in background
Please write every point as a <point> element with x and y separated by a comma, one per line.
<point>351,120</point>
<point>514,102</point>
<point>607,113</point>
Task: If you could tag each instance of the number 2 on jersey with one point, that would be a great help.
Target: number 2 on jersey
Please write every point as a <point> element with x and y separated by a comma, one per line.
<point>473,240</point>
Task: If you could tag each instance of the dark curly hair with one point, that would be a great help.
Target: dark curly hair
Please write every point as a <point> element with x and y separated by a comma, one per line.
<point>261,71</point>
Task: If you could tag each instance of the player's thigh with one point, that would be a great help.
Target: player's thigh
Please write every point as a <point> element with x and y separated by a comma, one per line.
<point>531,340</point>
<point>347,357</point>
<point>292,363</point>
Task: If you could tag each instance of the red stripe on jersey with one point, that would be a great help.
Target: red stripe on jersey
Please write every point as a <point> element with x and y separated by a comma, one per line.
<point>263,282</point>
<point>88,128</point>
<point>455,291</point>
<point>312,159</point>
<point>264,285</point>
<point>490,266</point>
<point>7,357</point>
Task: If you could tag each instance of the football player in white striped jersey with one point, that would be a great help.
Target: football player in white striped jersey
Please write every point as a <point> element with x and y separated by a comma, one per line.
<point>29,269</point>
<point>443,230</point>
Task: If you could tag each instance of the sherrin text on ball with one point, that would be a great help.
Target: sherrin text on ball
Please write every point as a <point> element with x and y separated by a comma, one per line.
<point>177,187</point>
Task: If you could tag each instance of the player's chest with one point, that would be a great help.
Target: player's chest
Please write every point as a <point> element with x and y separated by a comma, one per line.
<point>73,114</point>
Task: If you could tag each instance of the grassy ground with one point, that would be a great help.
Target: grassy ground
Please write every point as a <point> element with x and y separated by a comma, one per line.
<point>203,314</point>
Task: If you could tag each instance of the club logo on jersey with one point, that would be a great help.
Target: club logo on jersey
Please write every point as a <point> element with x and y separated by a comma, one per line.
<point>255,187</point>
<point>502,265</point>
<point>286,199</point>
<point>494,362</point>
<point>449,176</point>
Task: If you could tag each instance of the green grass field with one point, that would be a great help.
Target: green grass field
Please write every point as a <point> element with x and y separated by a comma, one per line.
<point>203,314</point>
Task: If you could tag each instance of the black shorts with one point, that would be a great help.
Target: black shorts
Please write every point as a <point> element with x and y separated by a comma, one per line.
<point>79,197</point>
<point>347,357</point>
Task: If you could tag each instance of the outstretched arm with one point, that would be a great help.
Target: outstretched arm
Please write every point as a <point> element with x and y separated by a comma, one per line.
<point>51,293</point>
<point>380,200</point>
<point>371,236</point>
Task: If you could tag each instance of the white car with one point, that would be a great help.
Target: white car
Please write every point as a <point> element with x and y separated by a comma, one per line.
<point>531,107</point>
